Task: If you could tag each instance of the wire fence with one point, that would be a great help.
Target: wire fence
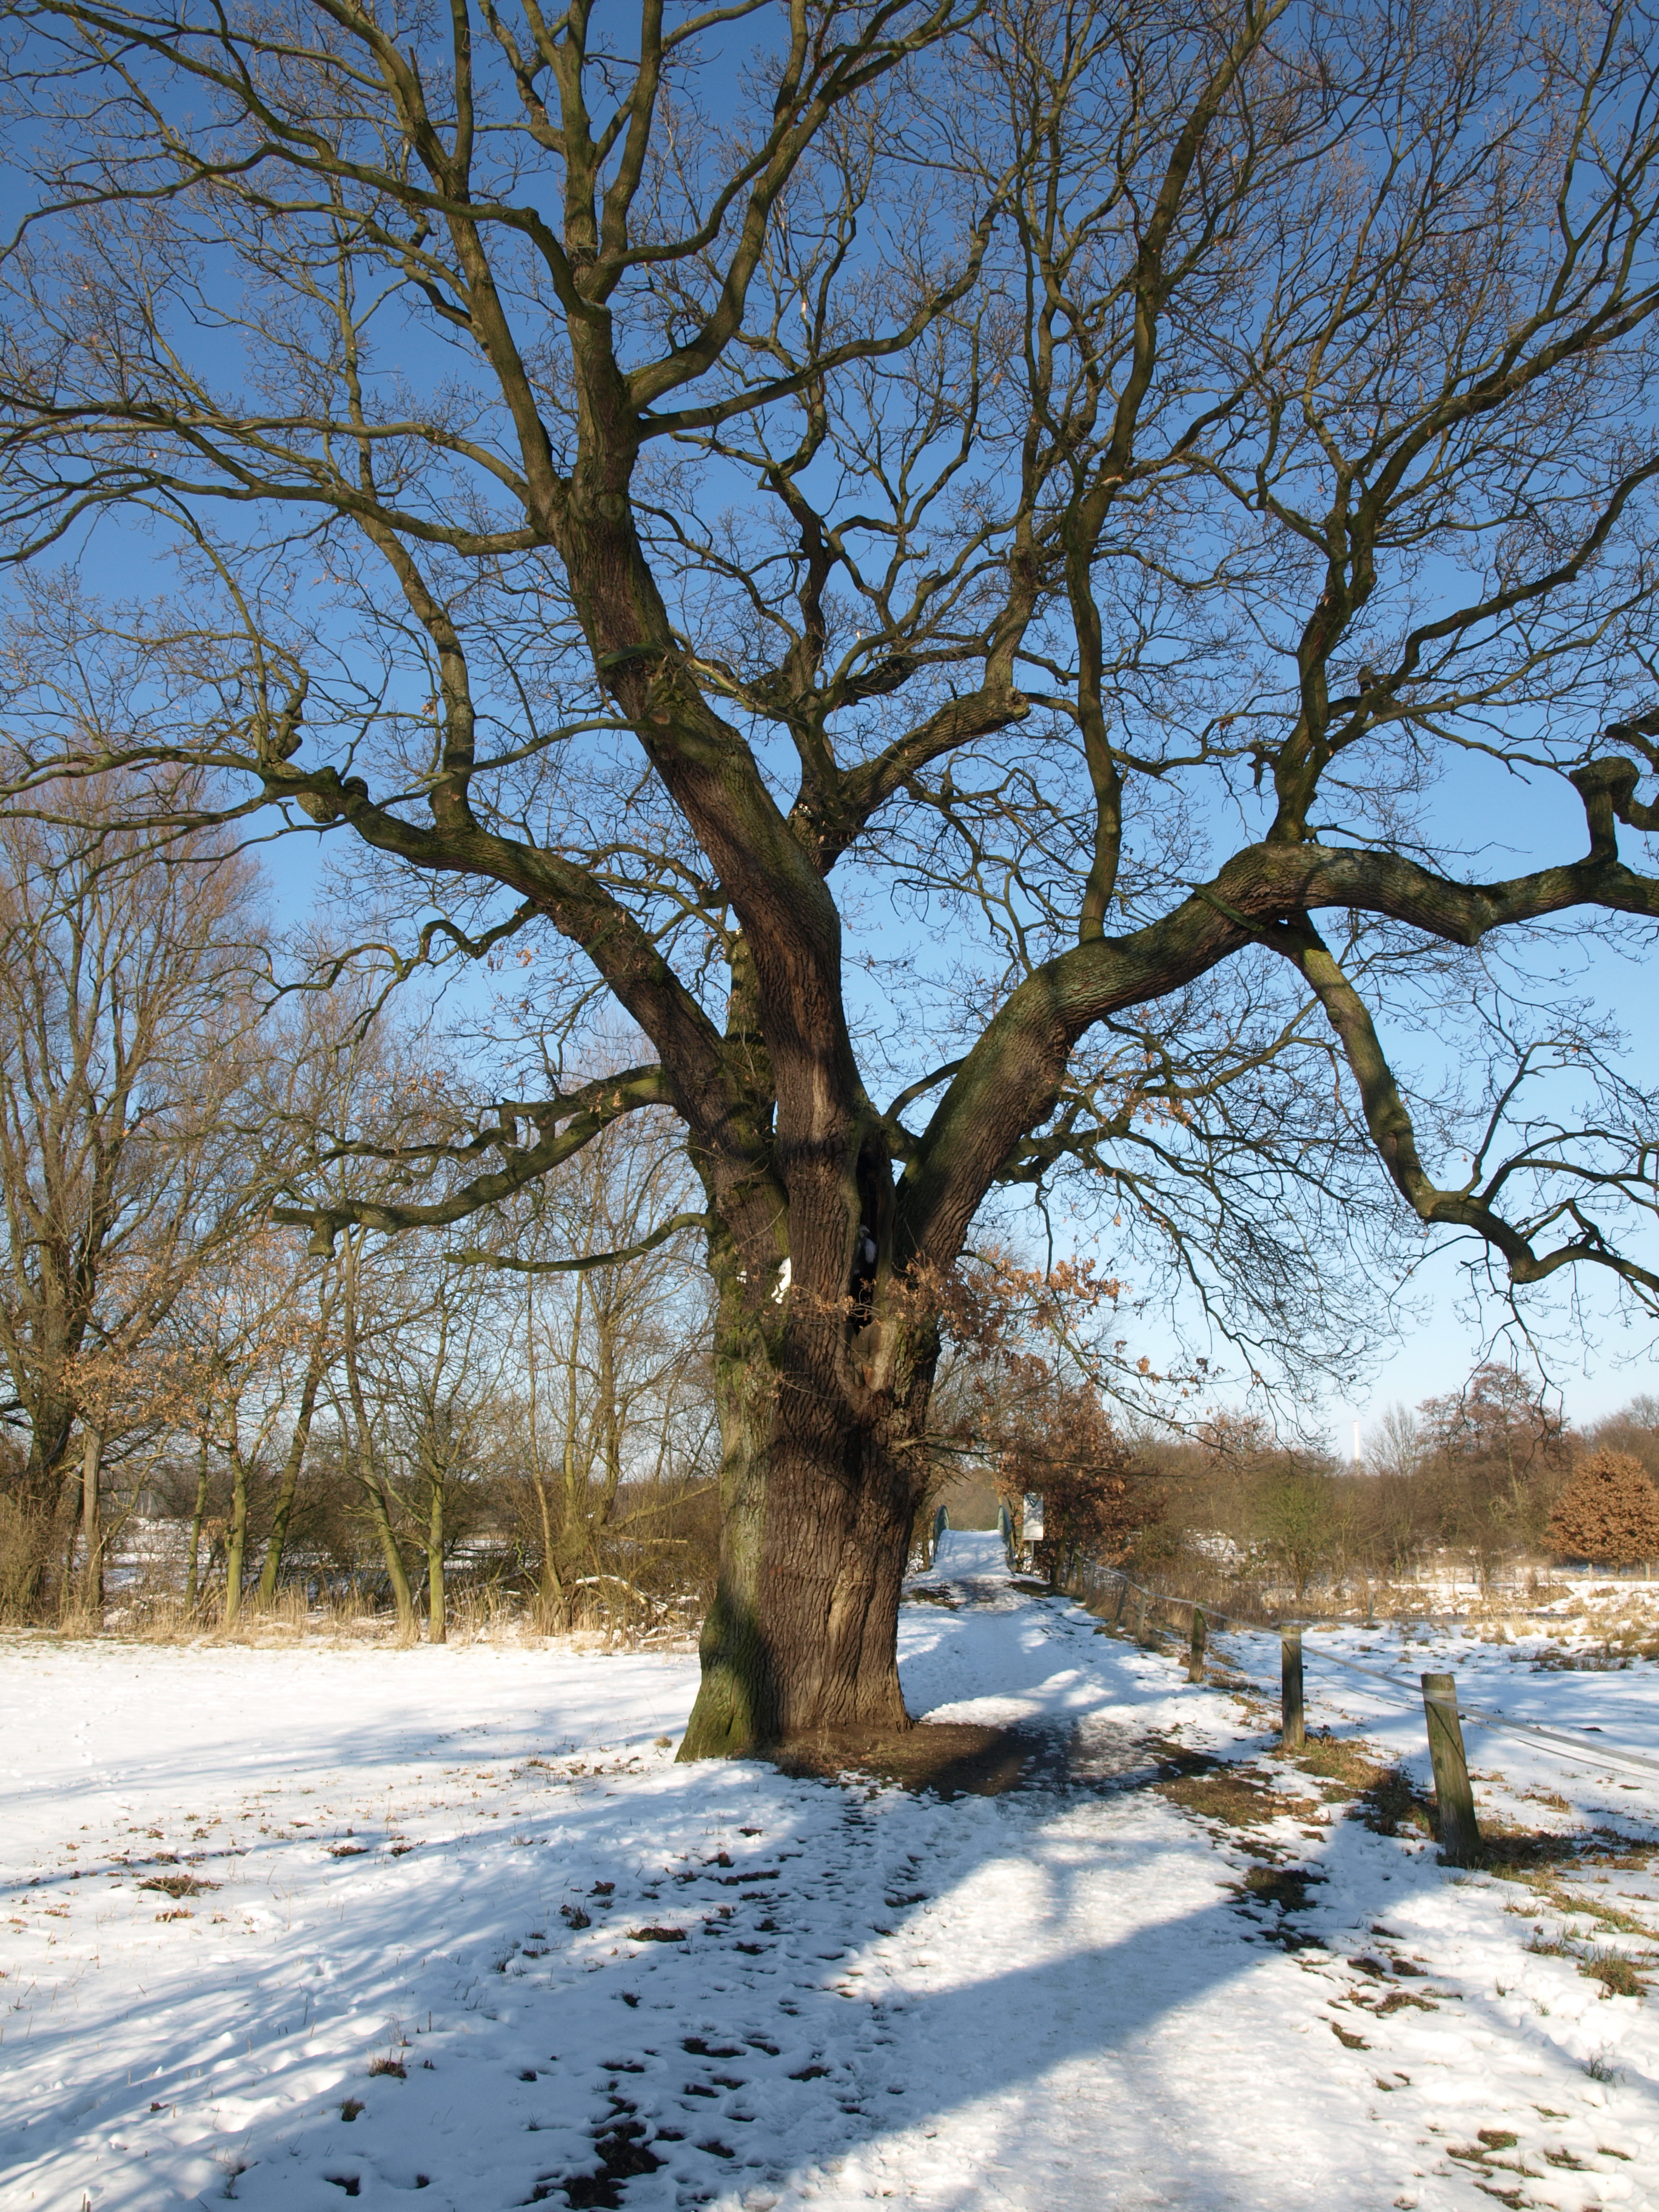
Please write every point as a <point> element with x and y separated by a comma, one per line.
<point>1088,1581</point>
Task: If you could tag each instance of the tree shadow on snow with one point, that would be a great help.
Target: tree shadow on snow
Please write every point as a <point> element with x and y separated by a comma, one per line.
<point>712,1978</point>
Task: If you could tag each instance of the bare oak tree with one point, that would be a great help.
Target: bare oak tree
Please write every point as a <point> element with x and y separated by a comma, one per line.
<point>125,1009</point>
<point>663,488</point>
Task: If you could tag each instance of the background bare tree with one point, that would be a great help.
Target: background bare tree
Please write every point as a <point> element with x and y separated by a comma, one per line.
<point>253,1327</point>
<point>617,1356</point>
<point>437,1375</point>
<point>1495,1452</point>
<point>126,1014</point>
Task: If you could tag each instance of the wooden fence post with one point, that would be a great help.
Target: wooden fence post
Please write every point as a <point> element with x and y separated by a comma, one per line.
<point>1140,1620</point>
<point>1122,1592</point>
<point>1291,1733</point>
<point>1195,1648</point>
<point>1459,1833</point>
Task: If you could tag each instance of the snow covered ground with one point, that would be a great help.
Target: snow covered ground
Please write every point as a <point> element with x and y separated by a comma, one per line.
<point>454,1921</point>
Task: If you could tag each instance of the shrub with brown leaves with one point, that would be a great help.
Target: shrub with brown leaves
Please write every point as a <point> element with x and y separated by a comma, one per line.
<point>1060,1441</point>
<point>1609,1513</point>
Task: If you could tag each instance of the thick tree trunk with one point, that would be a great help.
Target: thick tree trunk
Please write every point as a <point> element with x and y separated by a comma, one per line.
<point>42,1477</point>
<point>551,1605</point>
<point>42,1490</point>
<point>60,1587</point>
<point>552,1611</point>
<point>818,1497</point>
<point>380,1513</point>
<point>92,1513</point>
<point>570,1553</point>
<point>369,1477</point>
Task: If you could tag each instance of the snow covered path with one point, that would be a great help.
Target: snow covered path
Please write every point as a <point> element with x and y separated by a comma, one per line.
<point>606,1979</point>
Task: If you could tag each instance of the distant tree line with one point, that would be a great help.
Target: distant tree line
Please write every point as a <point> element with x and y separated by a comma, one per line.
<point>1490,1477</point>
<point>201,1407</point>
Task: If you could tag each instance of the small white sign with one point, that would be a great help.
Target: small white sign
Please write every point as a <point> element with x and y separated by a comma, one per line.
<point>1030,1529</point>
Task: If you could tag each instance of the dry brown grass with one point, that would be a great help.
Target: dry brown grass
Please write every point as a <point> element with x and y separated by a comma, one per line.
<point>1616,1973</point>
<point>162,1616</point>
<point>1231,1798</point>
<point>1338,1759</point>
<point>1536,1863</point>
<point>1380,1792</point>
<point>157,1614</point>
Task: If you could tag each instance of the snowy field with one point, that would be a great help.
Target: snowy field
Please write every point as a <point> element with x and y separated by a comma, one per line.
<point>291,1927</point>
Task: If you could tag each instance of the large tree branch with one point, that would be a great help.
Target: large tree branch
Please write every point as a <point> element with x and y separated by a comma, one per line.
<point>711,1097</point>
<point>585,1114</point>
<point>1389,1121</point>
<point>477,1256</point>
<point>1009,1083</point>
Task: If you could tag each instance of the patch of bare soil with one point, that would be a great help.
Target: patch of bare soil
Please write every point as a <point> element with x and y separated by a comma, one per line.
<point>1283,1887</point>
<point>1100,1757</point>
<point>950,1757</point>
<point>1514,1854</point>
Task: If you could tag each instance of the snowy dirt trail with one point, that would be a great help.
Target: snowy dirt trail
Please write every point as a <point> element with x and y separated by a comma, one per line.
<point>607,1979</point>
